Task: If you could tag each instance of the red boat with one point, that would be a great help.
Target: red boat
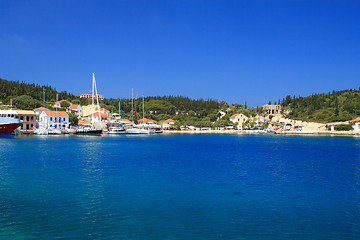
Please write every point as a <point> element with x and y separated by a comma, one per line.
<point>8,122</point>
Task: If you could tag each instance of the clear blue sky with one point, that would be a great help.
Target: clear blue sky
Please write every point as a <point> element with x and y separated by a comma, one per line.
<point>227,50</point>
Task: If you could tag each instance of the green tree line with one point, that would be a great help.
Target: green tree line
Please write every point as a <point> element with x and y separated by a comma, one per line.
<point>324,107</point>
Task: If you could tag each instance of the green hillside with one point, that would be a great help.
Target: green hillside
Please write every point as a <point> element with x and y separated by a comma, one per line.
<point>325,107</point>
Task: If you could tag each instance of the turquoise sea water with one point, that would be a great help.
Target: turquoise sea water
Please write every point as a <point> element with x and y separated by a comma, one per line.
<point>180,187</point>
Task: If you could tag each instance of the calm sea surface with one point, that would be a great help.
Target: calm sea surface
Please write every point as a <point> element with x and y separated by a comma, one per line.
<point>180,187</point>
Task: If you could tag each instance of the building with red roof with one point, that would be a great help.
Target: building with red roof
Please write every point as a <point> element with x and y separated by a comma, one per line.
<point>57,104</point>
<point>57,119</point>
<point>39,110</point>
<point>167,124</point>
<point>98,116</point>
<point>76,109</point>
<point>238,118</point>
<point>126,121</point>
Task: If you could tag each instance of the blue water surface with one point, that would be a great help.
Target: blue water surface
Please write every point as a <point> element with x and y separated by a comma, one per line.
<point>180,187</point>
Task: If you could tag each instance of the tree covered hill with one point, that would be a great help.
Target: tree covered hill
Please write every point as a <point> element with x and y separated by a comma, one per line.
<point>29,96</point>
<point>325,107</point>
<point>192,111</point>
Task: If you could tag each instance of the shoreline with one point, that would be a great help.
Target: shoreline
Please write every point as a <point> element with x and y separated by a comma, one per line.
<point>292,133</point>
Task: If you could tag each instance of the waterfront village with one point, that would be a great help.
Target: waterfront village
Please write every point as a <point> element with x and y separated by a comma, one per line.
<point>271,121</point>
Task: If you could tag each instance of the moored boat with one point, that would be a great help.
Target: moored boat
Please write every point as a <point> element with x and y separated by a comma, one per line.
<point>117,130</point>
<point>8,122</point>
<point>95,127</point>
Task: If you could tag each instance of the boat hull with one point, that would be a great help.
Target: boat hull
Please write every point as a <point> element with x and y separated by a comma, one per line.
<point>132,131</point>
<point>8,128</point>
<point>117,132</point>
<point>89,132</point>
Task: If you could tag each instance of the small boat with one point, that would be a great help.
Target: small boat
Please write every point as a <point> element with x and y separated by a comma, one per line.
<point>132,131</point>
<point>54,132</point>
<point>144,131</point>
<point>88,130</point>
<point>117,130</point>
<point>41,131</point>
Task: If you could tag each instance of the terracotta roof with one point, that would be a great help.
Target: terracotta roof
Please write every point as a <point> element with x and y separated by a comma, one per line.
<point>60,101</point>
<point>74,106</point>
<point>103,109</point>
<point>41,108</point>
<point>97,114</point>
<point>56,113</point>
<point>235,115</point>
<point>168,120</point>
<point>355,120</point>
<point>146,120</point>
<point>127,121</point>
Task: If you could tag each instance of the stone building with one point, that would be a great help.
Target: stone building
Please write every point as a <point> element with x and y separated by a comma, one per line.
<point>271,109</point>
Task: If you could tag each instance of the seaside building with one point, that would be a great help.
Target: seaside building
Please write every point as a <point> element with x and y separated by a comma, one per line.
<point>89,109</point>
<point>104,111</point>
<point>168,124</point>
<point>101,97</point>
<point>27,119</point>
<point>126,121</point>
<point>58,103</point>
<point>238,118</point>
<point>271,109</point>
<point>39,110</point>
<point>146,121</point>
<point>96,117</point>
<point>56,119</point>
<point>76,109</point>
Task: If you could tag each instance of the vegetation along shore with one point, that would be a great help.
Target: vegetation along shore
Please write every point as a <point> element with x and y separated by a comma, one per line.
<point>334,112</point>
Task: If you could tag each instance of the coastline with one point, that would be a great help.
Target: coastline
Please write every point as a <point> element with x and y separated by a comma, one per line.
<point>304,133</point>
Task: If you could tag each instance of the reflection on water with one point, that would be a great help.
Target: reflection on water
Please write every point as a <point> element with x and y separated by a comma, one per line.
<point>180,187</point>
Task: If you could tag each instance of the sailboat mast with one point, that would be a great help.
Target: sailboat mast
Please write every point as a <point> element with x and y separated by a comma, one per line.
<point>132,105</point>
<point>97,97</point>
<point>119,109</point>
<point>143,111</point>
<point>44,96</point>
<point>92,100</point>
<point>57,100</point>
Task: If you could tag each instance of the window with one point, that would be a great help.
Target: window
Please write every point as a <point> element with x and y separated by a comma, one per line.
<point>50,118</point>
<point>64,120</point>
<point>21,117</point>
<point>27,118</point>
<point>32,125</point>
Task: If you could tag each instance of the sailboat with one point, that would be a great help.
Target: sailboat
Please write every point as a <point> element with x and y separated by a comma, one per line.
<point>132,130</point>
<point>143,130</point>
<point>95,127</point>
<point>42,130</point>
<point>118,129</point>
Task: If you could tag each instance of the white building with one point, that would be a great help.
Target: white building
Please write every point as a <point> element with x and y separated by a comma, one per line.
<point>50,119</point>
<point>76,109</point>
<point>58,103</point>
<point>169,123</point>
<point>238,118</point>
<point>39,110</point>
<point>96,117</point>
